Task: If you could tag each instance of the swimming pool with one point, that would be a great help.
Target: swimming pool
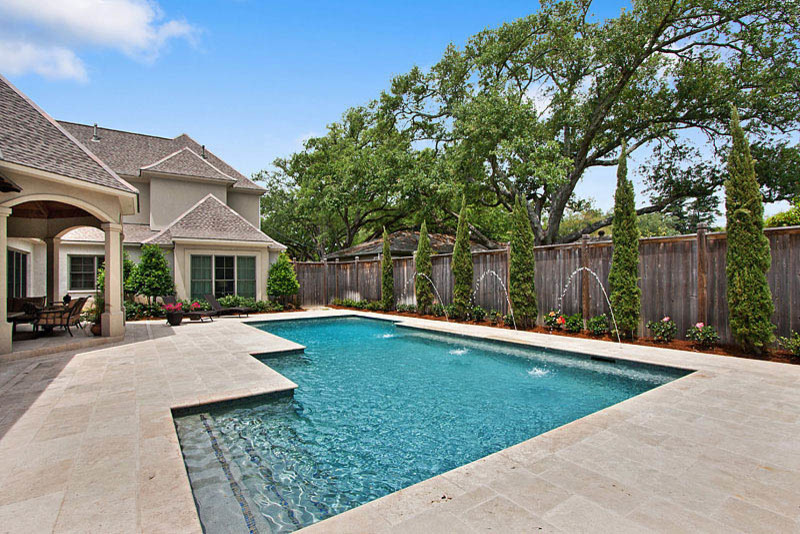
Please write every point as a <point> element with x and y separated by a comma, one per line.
<point>378,408</point>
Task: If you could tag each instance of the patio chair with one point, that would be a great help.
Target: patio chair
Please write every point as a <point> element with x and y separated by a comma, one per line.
<point>23,310</point>
<point>221,310</point>
<point>193,315</point>
<point>64,317</point>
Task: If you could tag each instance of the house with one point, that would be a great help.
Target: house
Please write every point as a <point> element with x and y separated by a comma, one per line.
<point>201,211</point>
<point>401,243</point>
<point>74,196</point>
<point>51,183</point>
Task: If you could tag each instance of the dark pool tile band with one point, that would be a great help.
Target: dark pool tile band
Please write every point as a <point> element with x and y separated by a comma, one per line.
<point>195,409</point>
<point>523,345</point>
<point>247,514</point>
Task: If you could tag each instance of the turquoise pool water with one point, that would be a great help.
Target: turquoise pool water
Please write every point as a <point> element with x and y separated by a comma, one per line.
<point>379,408</point>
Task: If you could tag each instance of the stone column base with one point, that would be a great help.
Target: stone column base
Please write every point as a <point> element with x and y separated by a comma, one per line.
<point>112,323</point>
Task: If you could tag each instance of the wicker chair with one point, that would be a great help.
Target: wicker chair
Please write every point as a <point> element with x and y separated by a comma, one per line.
<point>60,317</point>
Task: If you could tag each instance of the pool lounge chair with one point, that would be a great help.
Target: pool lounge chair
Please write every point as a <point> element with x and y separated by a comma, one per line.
<point>233,310</point>
<point>194,315</point>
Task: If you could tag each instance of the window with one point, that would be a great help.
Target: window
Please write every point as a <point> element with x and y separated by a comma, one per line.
<point>246,276</point>
<point>201,276</point>
<point>17,274</point>
<point>83,272</point>
<point>223,275</point>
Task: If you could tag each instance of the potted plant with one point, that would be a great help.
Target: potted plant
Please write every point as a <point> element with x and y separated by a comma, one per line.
<point>174,313</point>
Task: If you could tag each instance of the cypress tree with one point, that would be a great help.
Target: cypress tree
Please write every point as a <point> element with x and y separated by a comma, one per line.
<point>387,275</point>
<point>522,269</point>
<point>423,262</point>
<point>748,256</point>
<point>461,264</point>
<point>624,275</point>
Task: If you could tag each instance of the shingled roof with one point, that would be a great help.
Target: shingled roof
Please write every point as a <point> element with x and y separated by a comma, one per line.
<point>213,220</point>
<point>30,137</point>
<point>131,153</point>
<point>402,243</point>
<point>134,233</point>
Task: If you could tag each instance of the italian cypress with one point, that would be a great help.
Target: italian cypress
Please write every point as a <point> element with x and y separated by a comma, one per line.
<point>387,275</point>
<point>423,286</point>
<point>522,268</point>
<point>624,275</point>
<point>461,264</point>
<point>748,256</point>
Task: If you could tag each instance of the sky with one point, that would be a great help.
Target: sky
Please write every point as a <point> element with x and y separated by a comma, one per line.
<point>249,79</point>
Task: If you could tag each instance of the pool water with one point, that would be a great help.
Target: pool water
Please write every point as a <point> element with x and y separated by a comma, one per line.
<point>381,407</point>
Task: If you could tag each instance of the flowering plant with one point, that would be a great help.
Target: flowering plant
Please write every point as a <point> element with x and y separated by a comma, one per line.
<point>554,321</point>
<point>173,307</point>
<point>703,335</point>
<point>664,330</point>
<point>195,306</point>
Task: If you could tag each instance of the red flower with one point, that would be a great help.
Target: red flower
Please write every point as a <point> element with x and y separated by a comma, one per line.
<point>173,307</point>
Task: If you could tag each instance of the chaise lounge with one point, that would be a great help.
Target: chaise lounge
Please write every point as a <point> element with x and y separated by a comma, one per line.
<point>232,310</point>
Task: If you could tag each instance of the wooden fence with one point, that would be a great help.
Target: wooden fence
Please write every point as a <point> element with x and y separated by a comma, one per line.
<point>680,276</point>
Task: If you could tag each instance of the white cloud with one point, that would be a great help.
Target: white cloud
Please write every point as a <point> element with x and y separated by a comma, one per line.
<point>54,62</point>
<point>53,30</point>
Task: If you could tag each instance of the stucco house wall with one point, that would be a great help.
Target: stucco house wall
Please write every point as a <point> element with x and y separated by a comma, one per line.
<point>170,198</point>
<point>37,263</point>
<point>143,216</point>
<point>247,205</point>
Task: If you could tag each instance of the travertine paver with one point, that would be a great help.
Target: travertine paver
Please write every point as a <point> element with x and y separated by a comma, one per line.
<point>87,444</point>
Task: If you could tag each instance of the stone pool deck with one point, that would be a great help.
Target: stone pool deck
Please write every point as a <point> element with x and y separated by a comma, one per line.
<point>87,443</point>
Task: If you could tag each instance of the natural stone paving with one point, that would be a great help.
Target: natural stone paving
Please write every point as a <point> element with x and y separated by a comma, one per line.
<point>87,443</point>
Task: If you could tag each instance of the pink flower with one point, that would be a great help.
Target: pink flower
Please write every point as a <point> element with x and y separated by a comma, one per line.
<point>665,319</point>
<point>699,325</point>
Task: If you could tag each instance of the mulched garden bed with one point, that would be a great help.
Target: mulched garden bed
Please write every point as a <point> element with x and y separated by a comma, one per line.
<point>772,355</point>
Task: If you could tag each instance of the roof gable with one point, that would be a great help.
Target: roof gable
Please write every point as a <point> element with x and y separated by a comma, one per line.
<point>30,137</point>
<point>186,161</point>
<point>213,220</point>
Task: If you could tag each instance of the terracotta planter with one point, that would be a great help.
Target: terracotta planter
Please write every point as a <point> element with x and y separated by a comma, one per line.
<point>174,318</point>
<point>96,329</point>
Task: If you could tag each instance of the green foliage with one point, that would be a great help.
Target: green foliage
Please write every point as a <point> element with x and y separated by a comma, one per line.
<point>495,317</point>
<point>574,323</point>
<point>228,301</point>
<point>387,274</point>
<point>406,308</point>
<point>477,313</point>
<point>598,325</point>
<point>461,265</point>
<point>664,330</point>
<point>792,343</point>
<point>424,289</point>
<point>790,217</point>
<point>128,268</point>
<point>151,277</point>
<point>453,312</point>
<point>624,275</point>
<point>522,269</point>
<point>703,335</point>
<point>748,256</point>
<point>282,280</point>
<point>438,310</point>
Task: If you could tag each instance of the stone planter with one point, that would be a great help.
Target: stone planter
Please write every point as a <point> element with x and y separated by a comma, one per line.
<point>174,318</point>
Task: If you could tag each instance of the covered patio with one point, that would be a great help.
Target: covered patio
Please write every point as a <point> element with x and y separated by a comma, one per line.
<point>49,185</point>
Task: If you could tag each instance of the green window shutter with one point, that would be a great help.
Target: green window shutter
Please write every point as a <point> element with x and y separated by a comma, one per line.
<point>201,280</point>
<point>246,276</point>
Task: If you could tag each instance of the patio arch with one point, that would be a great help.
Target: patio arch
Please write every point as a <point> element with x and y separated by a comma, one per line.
<point>88,207</point>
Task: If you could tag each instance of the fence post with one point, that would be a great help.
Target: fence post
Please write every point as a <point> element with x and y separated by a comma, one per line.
<point>336,279</point>
<point>413,297</point>
<point>702,273</point>
<point>380,277</point>
<point>324,281</point>
<point>358,290</point>
<point>584,252</point>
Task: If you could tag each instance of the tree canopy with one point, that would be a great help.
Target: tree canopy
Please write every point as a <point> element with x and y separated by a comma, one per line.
<point>530,108</point>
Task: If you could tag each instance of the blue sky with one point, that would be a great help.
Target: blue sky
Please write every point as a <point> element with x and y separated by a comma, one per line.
<point>249,79</point>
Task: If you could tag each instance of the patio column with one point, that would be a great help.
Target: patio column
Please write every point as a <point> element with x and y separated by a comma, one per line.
<point>113,318</point>
<point>5,326</point>
<point>53,245</point>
